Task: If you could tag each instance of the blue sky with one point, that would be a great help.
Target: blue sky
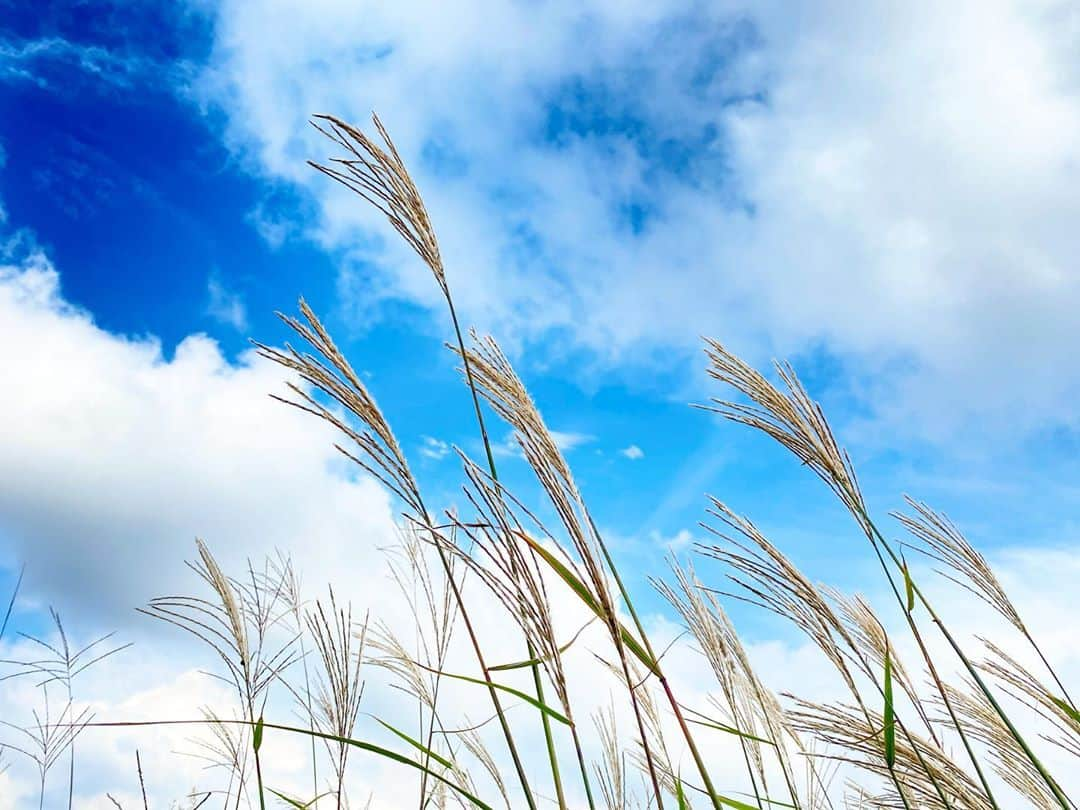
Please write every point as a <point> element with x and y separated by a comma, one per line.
<point>893,213</point>
<point>144,156</point>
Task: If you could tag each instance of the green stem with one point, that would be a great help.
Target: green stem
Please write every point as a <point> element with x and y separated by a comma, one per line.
<point>582,766</point>
<point>549,739</point>
<point>1051,783</point>
<point>699,762</point>
<point>431,732</point>
<point>1049,668</point>
<point>499,711</point>
<point>258,759</point>
<point>1061,798</point>
<point>876,538</point>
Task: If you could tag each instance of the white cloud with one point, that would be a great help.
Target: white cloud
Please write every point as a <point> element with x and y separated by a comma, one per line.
<point>433,448</point>
<point>116,458</point>
<point>892,183</point>
<point>566,441</point>
<point>633,452</point>
<point>569,440</point>
<point>225,306</point>
<point>678,542</point>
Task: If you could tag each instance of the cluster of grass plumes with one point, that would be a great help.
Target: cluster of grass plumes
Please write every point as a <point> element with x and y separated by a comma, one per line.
<point>958,724</point>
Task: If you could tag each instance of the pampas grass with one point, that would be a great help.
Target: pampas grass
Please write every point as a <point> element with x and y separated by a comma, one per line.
<point>903,733</point>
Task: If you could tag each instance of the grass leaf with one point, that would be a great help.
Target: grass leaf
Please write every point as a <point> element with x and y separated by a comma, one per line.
<point>296,802</point>
<point>423,749</point>
<point>909,587</point>
<point>371,748</point>
<point>1073,714</point>
<point>680,795</point>
<point>890,716</point>
<point>583,593</point>
<point>550,712</point>
<point>730,730</point>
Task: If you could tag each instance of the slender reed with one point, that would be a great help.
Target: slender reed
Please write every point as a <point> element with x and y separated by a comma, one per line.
<point>380,177</point>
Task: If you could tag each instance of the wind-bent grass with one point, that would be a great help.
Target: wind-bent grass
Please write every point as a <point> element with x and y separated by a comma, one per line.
<point>975,743</point>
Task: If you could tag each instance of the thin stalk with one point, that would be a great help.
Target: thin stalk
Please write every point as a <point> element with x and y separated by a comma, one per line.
<point>499,711</point>
<point>420,709</point>
<point>537,679</point>
<point>922,760</point>
<point>1059,796</point>
<point>615,631</point>
<point>307,698</point>
<point>777,741</point>
<point>875,539</point>
<point>549,740</point>
<point>699,762</point>
<point>142,782</point>
<point>259,779</point>
<point>431,735</point>
<point>71,749</point>
<point>870,724</point>
<point>899,790</point>
<point>11,602</point>
<point>341,770</point>
<point>258,758</point>
<point>750,771</point>
<point>1049,668</point>
<point>939,685</point>
<point>582,766</point>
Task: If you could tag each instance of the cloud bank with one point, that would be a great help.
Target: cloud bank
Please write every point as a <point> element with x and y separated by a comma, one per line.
<point>891,186</point>
<point>116,457</point>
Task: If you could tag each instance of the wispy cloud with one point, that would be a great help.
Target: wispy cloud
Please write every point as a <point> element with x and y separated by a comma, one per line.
<point>61,64</point>
<point>633,452</point>
<point>433,448</point>
<point>224,305</point>
<point>567,441</point>
<point>680,541</point>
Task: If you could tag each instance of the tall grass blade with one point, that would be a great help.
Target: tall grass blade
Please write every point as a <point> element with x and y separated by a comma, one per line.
<point>550,712</point>
<point>680,795</point>
<point>257,735</point>
<point>362,745</point>
<point>582,592</point>
<point>418,745</point>
<point>729,730</point>
<point>889,720</point>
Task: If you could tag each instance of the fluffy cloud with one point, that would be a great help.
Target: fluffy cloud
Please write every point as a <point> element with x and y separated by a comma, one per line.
<point>890,184</point>
<point>116,457</point>
<point>633,452</point>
